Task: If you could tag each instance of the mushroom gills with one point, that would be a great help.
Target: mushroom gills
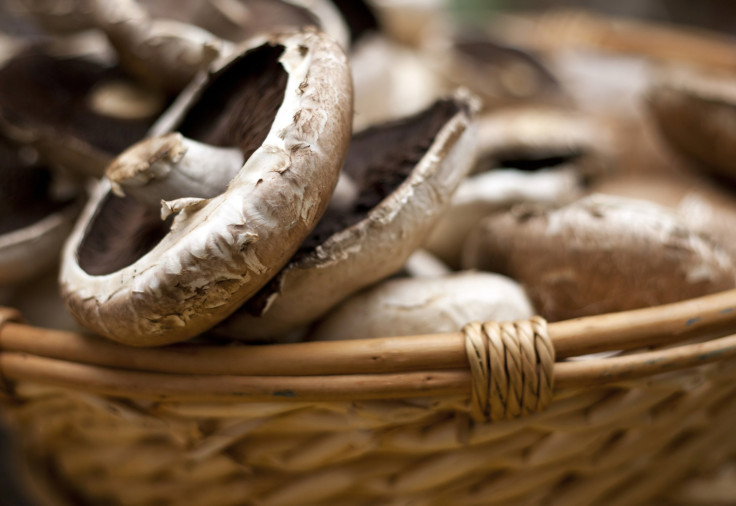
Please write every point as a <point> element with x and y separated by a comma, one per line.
<point>379,159</point>
<point>236,109</point>
<point>529,161</point>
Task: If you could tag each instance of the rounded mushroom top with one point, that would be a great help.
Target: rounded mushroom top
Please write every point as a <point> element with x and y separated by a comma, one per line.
<point>499,73</point>
<point>284,105</point>
<point>412,306</point>
<point>397,179</point>
<point>718,87</point>
<point>696,113</point>
<point>599,254</point>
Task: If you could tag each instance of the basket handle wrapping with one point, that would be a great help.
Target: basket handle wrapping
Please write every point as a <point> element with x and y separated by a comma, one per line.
<point>511,366</point>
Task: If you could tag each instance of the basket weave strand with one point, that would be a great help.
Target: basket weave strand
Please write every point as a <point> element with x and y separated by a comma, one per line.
<point>386,421</point>
<point>511,364</point>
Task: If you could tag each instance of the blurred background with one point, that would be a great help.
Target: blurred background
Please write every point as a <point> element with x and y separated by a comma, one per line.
<point>710,14</point>
<point>472,15</point>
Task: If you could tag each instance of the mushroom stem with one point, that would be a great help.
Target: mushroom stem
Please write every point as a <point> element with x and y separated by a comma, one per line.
<point>345,194</point>
<point>163,53</point>
<point>172,167</point>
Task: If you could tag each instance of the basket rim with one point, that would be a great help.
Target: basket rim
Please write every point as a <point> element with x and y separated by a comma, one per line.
<point>391,367</point>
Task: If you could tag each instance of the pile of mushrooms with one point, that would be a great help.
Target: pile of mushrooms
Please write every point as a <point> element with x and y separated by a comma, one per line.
<point>269,171</point>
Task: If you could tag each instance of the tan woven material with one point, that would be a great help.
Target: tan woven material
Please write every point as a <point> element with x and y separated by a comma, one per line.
<point>511,365</point>
<point>389,421</point>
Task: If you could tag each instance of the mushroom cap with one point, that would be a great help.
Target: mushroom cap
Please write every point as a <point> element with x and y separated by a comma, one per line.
<point>436,148</point>
<point>413,306</point>
<point>391,81</point>
<point>290,99</point>
<point>705,206</point>
<point>499,73</point>
<point>76,111</point>
<point>483,194</point>
<point>538,137</point>
<point>423,264</point>
<point>696,114</point>
<point>538,155</point>
<point>600,254</point>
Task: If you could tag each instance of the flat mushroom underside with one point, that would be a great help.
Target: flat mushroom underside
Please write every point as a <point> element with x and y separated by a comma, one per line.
<point>42,92</point>
<point>379,160</point>
<point>236,108</point>
<point>25,192</point>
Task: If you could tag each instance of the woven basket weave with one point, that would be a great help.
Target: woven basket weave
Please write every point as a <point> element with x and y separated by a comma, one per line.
<point>495,414</point>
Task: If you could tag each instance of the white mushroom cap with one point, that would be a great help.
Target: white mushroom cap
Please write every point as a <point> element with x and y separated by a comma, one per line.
<point>391,81</point>
<point>379,244</point>
<point>423,264</point>
<point>176,281</point>
<point>404,307</point>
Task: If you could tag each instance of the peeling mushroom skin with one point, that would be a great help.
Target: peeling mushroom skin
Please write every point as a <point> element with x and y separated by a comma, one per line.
<point>407,171</point>
<point>286,104</point>
<point>405,307</point>
<point>599,255</point>
<point>696,114</point>
<point>540,155</point>
<point>77,112</point>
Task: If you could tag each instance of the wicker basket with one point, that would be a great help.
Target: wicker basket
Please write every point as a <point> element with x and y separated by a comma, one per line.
<point>495,414</point>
